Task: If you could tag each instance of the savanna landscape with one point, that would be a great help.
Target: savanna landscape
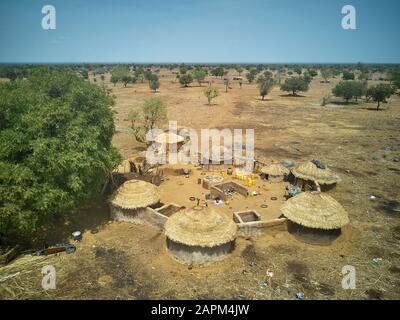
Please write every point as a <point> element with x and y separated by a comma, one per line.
<point>57,161</point>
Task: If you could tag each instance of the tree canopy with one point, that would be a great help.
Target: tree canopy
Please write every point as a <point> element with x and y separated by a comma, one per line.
<point>122,73</point>
<point>154,111</point>
<point>154,82</point>
<point>265,83</point>
<point>395,78</point>
<point>348,75</point>
<point>199,74</point>
<point>56,151</point>
<point>295,84</point>
<point>348,90</point>
<point>380,93</point>
<point>211,93</point>
<point>218,72</point>
<point>185,79</point>
<point>326,74</point>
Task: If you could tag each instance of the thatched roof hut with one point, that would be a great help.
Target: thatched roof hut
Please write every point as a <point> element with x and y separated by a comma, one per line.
<point>134,194</point>
<point>200,235</point>
<point>309,171</point>
<point>275,172</point>
<point>315,210</point>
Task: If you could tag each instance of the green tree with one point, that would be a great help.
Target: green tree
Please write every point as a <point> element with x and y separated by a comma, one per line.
<point>360,88</point>
<point>251,75</point>
<point>348,75</point>
<point>307,77</point>
<point>312,72</point>
<point>14,72</point>
<point>199,75</point>
<point>84,73</point>
<point>128,79</point>
<point>133,116</point>
<point>294,85</point>
<point>326,74</point>
<point>265,83</point>
<point>185,79</point>
<point>218,72</point>
<point>119,73</point>
<point>239,69</point>
<point>183,69</point>
<point>346,90</point>
<point>148,75</point>
<point>154,82</point>
<point>380,93</point>
<point>394,78</point>
<point>211,93</point>
<point>154,111</point>
<point>298,70</point>
<point>56,150</point>
<point>139,74</point>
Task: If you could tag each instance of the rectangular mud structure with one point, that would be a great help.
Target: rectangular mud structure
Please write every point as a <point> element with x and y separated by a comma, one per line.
<point>220,190</point>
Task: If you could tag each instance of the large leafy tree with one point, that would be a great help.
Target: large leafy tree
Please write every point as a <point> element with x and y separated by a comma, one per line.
<point>199,74</point>
<point>154,111</point>
<point>185,79</point>
<point>347,75</point>
<point>347,90</point>
<point>218,72</point>
<point>380,93</point>
<point>295,84</point>
<point>265,83</point>
<point>55,147</point>
<point>326,74</point>
<point>154,82</point>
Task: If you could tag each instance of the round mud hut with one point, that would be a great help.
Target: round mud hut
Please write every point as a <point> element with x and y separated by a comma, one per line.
<point>314,217</point>
<point>314,176</point>
<point>275,172</point>
<point>131,199</point>
<point>199,235</point>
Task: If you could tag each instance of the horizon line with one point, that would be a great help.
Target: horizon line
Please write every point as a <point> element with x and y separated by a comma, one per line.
<point>210,63</point>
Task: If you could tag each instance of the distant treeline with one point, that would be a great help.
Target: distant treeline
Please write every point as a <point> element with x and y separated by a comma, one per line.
<point>22,70</point>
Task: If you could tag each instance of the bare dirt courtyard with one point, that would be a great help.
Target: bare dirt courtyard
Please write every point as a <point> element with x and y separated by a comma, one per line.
<point>119,260</point>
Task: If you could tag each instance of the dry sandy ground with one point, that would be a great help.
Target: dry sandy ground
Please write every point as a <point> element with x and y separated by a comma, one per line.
<point>125,261</point>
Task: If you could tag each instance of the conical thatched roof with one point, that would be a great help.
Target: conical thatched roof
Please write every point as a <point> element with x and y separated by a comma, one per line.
<point>200,226</point>
<point>169,138</point>
<point>315,210</point>
<point>309,171</point>
<point>275,169</point>
<point>135,194</point>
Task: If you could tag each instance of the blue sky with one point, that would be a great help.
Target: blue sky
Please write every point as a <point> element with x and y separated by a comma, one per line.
<point>200,31</point>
